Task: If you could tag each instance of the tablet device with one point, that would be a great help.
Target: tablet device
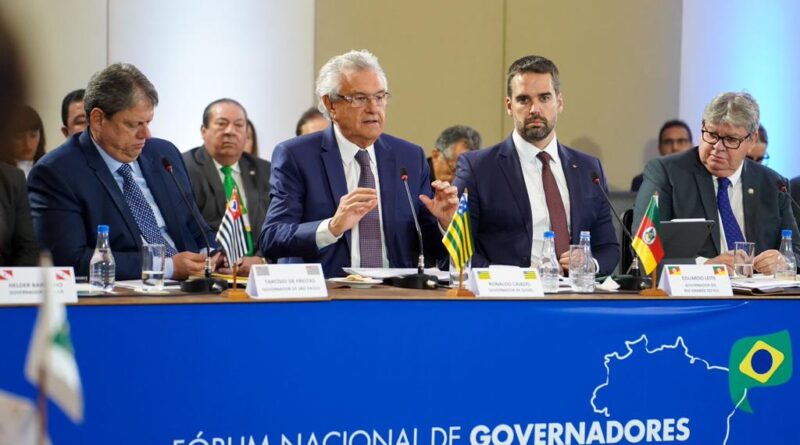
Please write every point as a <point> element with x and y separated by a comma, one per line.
<point>682,239</point>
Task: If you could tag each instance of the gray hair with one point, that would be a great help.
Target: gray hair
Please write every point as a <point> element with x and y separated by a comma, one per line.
<point>330,75</point>
<point>739,109</point>
<point>118,87</point>
<point>452,135</point>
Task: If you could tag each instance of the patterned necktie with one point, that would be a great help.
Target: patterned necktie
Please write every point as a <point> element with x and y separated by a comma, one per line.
<point>142,212</point>
<point>555,206</point>
<point>230,183</point>
<point>733,232</point>
<point>369,228</point>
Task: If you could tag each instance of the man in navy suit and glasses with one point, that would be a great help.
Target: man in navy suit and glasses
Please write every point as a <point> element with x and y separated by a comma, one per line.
<point>337,195</point>
<point>531,183</point>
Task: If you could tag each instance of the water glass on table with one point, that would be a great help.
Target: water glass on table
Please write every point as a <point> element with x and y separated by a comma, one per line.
<point>743,256</point>
<point>153,262</point>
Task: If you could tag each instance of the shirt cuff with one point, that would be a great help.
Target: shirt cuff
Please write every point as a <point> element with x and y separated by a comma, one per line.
<point>324,237</point>
<point>168,269</point>
<point>700,260</point>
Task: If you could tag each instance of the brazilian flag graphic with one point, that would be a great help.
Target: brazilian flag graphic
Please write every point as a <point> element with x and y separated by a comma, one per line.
<point>765,360</point>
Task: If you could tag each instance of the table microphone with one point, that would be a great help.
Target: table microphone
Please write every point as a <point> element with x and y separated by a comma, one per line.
<point>783,189</point>
<point>205,284</point>
<point>626,282</point>
<point>418,280</point>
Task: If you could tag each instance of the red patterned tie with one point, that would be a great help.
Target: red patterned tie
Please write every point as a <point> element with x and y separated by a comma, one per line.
<point>555,206</point>
<point>369,228</point>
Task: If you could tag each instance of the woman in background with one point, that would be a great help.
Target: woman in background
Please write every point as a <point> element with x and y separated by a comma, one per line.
<point>29,139</point>
<point>251,142</point>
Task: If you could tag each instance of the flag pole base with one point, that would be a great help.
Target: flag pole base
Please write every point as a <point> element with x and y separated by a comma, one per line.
<point>653,293</point>
<point>460,292</point>
<point>236,294</point>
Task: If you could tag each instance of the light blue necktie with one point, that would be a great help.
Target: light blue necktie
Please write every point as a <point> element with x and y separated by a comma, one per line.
<point>142,213</point>
<point>733,232</point>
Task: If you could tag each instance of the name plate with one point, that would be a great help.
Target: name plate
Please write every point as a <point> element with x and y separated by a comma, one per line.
<point>506,282</point>
<point>287,281</point>
<point>688,280</point>
<point>25,285</point>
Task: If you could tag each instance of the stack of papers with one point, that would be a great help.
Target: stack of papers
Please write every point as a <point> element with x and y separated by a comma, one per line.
<point>380,273</point>
<point>764,284</point>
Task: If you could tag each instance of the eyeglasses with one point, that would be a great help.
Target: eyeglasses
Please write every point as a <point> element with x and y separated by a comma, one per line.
<point>361,100</point>
<point>679,141</point>
<point>762,160</point>
<point>729,142</point>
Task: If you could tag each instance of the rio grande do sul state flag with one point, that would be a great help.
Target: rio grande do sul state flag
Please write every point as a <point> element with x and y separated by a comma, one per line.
<point>647,243</point>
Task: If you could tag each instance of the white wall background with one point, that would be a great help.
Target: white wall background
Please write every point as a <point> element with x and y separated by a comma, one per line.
<point>259,52</point>
<point>735,45</point>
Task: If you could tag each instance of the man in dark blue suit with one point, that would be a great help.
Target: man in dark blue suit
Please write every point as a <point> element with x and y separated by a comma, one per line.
<point>112,174</point>
<point>337,195</point>
<point>530,183</point>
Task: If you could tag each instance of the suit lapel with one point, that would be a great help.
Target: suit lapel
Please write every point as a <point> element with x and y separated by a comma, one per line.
<point>332,161</point>
<point>388,172</point>
<point>155,176</point>
<point>509,163</point>
<point>103,174</point>
<point>575,188</point>
<point>705,185</point>
<point>212,175</point>
<point>750,203</point>
<point>248,173</point>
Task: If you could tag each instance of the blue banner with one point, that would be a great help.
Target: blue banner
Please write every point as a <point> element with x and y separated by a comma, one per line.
<point>427,372</point>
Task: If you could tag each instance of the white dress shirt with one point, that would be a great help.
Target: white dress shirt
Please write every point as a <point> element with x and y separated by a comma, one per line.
<point>352,172</point>
<point>737,204</point>
<point>532,173</point>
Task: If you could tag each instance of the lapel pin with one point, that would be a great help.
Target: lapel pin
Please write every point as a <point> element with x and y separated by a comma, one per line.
<point>574,165</point>
<point>252,172</point>
<point>750,191</point>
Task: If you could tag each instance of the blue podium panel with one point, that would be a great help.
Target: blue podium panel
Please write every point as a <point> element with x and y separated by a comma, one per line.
<point>366,372</point>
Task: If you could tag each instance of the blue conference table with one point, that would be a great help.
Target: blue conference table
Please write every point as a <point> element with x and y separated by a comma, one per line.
<point>392,367</point>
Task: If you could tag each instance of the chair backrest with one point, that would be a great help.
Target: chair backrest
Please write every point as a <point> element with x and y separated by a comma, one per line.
<point>625,254</point>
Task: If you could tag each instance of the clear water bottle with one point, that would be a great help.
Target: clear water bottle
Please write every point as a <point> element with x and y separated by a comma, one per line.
<point>582,269</point>
<point>102,268</point>
<point>548,264</point>
<point>789,269</point>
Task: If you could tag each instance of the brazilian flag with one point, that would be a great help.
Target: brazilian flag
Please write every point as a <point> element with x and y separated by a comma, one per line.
<point>765,360</point>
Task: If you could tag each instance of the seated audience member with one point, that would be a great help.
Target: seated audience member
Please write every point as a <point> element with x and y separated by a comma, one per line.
<point>675,136</point>
<point>758,152</point>
<point>452,143</point>
<point>251,143</point>
<point>337,194</point>
<point>220,165</point>
<point>17,241</point>
<point>113,175</point>
<point>73,116</point>
<point>531,183</point>
<point>714,181</point>
<point>311,121</point>
<point>29,139</point>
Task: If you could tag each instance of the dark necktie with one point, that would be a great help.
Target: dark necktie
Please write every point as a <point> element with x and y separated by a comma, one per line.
<point>142,213</point>
<point>555,206</point>
<point>369,228</point>
<point>733,232</point>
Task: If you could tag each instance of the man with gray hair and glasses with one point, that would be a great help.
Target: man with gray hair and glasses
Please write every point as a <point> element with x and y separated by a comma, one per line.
<point>338,196</point>
<point>113,175</point>
<point>452,143</point>
<point>716,182</point>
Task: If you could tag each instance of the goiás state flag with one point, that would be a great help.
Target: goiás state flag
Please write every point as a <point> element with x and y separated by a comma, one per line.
<point>647,243</point>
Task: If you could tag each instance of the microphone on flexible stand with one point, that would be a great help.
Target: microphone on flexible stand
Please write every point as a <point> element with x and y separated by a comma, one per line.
<point>633,280</point>
<point>418,280</point>
<point>783,189</point>
<point>205,284</point>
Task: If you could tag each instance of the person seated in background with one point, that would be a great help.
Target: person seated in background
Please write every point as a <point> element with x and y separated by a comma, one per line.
<point>715,182</point>
<point>531,183</point>
<point>73,116</point>
<point>452,143</point>
<point>758,152</point>
<point>220,165</point>
<point>113,174</point>
<point>18,245</point>
<point>311,121</point>
<point>251,142</point>
<point>338,196</point>
<point>29,139</point>
<point>675,137</point>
